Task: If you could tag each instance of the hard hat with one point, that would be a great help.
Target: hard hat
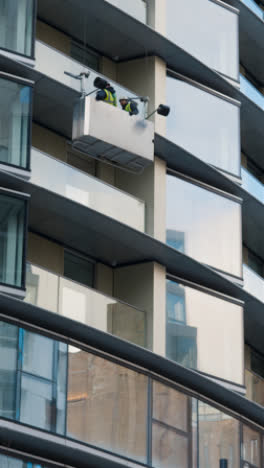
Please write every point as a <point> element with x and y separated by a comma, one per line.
<point>123,98</point>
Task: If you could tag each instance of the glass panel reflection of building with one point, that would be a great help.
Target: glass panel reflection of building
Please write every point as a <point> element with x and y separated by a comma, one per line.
<point>197,321</point>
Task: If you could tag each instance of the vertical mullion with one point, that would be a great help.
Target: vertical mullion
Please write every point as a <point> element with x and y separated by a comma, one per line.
<point>149,422</point>
<point>189,430</point>
<point>19,371</point>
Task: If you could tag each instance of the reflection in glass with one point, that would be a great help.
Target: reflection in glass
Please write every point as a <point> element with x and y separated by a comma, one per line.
<point>251,91</point>
<point>17,26</point>
<point>12,218</point>
<point>209,223</point>
<point>8,367</point>
<point>251,446</point>
<point>216,43</point>
<point>170,406</point>
<point>218,435</point>
<point>38,349</point>
<point>198,322</point>
<point>15,121</point>
<point>169,448</point>
<point>36,406</point>
<point>203,124</point>
<point>107,405</point>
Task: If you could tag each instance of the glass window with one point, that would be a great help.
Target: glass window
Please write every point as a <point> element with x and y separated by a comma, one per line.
<point>257,363</point>
<point>15,122</point>
<point>170,406</point>
<point>36,406</point>
<point>107,405</point>
<point>251,446</point>
<point>78,269</point>
<point>210,225</point>
<point>215,43</point>
<point>211,324</point>
<point>218,438</point>
<point>38,355</point>
<point>169,448</point>
<point>8,369</point>
<point>61,387</point>
<point>17,26</point>
<point>12,218</point>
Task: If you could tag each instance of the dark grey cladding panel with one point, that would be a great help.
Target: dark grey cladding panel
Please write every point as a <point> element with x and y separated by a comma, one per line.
<point>121,37</point>
<point>251,40</point>
<point>73,331</point>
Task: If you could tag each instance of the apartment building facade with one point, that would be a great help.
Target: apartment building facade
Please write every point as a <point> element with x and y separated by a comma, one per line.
<point>131,272</point>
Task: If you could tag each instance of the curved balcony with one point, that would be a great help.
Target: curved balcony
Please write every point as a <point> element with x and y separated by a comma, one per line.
<point>63,179</point>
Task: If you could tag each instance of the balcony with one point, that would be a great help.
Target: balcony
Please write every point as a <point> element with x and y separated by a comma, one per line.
<point>137,8</point>
<point>252,185</point>
<point>86,190</point>
<point>85,305</point>
<point>253,283</point>
<point>251,92</point>
<point>254,7</point>
<point>255,387</point>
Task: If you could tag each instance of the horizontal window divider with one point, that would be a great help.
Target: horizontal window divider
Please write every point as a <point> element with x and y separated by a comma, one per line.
<point>170,428</point>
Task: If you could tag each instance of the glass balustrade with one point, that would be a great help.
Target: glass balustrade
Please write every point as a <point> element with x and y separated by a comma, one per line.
<point>252,185</point>
<point>254,7</point>
<point>253,283</point>
<point>60,63</point>
<point>255,387</point>
<point>251,91</point>
<point>85,305</point>
<point>87,190</point>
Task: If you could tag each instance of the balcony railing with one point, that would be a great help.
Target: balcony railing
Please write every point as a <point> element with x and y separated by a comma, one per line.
<point>252,185</point>
<point>254,7</point>
<point>136,8</point>
<point>58,63</point>
<point>77,302</point>
<point>78,186</point>
<point>253,283</point>
<point>251,92</point>
<point>254,387</point>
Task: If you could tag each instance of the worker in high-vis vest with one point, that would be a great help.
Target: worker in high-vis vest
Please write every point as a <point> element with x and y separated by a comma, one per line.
<point>107,94</point>
<point>129,106</point>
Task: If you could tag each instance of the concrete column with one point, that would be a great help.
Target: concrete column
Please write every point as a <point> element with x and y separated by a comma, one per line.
<point>156,16</point>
